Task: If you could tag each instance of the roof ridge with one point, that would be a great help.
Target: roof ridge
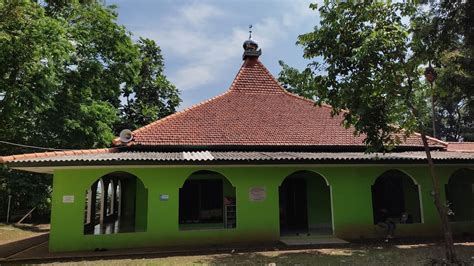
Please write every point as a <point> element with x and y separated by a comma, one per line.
<point>232,85</point>
<point>271,75</point>
<point>444,143</point>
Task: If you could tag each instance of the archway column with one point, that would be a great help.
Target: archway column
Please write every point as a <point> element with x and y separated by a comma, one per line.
<point>257,219</point>
<point>93,203</point>
<point>351,199</point>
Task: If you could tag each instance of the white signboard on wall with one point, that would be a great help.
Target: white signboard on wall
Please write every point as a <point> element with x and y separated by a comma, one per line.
<point>68,199</point>
<point>257,193</point>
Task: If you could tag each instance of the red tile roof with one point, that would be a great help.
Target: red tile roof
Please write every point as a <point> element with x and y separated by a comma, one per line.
<point>27,156</point>
<point>461,146</point>
<point>255,111</point>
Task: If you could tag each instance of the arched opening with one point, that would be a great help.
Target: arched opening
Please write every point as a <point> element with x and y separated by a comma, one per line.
<point>120,202</point>
<point>396,198</point>
<point>460,195</point>
<point>305,205</point>
<point>207,200</point>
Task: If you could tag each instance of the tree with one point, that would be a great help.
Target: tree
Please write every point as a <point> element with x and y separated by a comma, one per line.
<point>454,93</point>
<point>65,67</point>
<point>298,82</point>
<point>153,96</point>
<point>365,62</point>
<point>103,60</point>
<point>33,50</point>
<point>444,35</point>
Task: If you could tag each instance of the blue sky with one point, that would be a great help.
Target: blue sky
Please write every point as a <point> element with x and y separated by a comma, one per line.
<point>201,41</point>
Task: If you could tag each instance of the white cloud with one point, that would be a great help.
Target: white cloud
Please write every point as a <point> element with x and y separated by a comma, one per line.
<point>197,14</point>
<point>297,12</point>
<point>189,35</point>
<point>192,76</point>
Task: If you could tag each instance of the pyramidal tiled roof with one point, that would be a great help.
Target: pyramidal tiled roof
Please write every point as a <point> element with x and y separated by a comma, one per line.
<point>255,111</point>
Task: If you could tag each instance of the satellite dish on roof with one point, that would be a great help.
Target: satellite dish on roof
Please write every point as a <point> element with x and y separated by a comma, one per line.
<point>126,135</point>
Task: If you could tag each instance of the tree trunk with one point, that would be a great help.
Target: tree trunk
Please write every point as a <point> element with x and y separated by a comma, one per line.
<point>440,207</point>
<point>433,112</point>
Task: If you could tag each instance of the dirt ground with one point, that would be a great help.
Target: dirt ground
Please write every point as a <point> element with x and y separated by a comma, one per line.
<point>413,254</point>
<point>363,253</point>
<point>10,233</point>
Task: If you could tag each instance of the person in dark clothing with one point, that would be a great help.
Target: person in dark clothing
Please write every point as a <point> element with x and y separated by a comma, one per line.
<point>386,223</point>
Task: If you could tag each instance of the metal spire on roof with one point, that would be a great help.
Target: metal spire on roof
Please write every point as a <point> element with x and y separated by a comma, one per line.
<point>251,47</point>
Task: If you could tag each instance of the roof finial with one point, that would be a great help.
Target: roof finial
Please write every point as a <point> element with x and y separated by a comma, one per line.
<point>251,47</point>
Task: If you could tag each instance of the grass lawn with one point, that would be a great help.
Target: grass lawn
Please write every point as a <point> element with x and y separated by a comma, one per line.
<point>421,254</point>
<point>10,233</point>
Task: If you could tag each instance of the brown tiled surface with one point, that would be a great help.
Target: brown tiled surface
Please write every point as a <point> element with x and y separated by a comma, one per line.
<point>461,146</point>
<point>256,110</point>
<point>43,155</point>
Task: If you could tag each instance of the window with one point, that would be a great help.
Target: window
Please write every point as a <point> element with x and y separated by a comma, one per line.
<point>201,201</point>
<point>207,200</point>
<point>116,203</point>
<point>395,196</point>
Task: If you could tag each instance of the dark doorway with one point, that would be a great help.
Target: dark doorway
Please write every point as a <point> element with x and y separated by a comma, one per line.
<point>460,195</point>
<point>293,206</point>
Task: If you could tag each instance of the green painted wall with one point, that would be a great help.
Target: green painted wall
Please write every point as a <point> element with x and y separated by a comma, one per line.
<point>141,207</point>
<point>257,221</point>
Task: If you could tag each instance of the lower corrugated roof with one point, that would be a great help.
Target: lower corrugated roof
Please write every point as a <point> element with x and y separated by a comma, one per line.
<point>235,156</point>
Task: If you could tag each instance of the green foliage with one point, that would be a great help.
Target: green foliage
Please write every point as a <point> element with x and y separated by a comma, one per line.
<point>65,67</point>
<point>455,95</point>
<point>444,35</point>
<point>33,49</point>
<point>27,191</point>
<point>298,82</point>
<point>368,68</point>
<point>153,96</point>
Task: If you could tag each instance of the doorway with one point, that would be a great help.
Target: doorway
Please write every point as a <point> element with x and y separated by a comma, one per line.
<point>305,205</point>
<point>293,206</point>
